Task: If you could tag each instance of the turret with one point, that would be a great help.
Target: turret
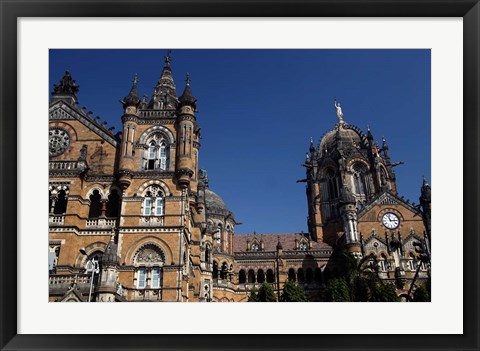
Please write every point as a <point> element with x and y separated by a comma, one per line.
<point>107,287</point>
<point>66,90</point>
<point>425,202</point>
<point>187,135</point>
<point>130,105</point>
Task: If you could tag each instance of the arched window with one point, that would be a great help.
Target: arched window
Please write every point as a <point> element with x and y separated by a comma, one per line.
<point>361,184</point>
<point>270,276</point>
<point>224,271</point>
<point>153,204</point>
<point>152,155</point>
<point>291,275</point>
<point>251,276</point>
<point>157,154</point>
<point>301,275</point>
<point>95,205</point>
<point>215,270</point>
<point>260,276</point>
<point>149,261</point>
<point>255,247</point>
<point>61,203</point>
<point>332,184</point>
<point>163,155</point>
<point>303,246</point>
<point>113,204</point>
<point>382,263</point>
<point>218,237</point>
<point>207,254</point>
<point>242,276</point>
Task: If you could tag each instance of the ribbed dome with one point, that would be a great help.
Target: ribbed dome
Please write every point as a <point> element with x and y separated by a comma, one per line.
<point>213,201</point>
<point>343,132</point>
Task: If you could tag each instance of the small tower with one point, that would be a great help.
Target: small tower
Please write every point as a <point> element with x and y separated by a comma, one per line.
<point>164,95</point>
<point>425,202</point>
<point>186,128</point>
<point>107,287</point>
<point>349,216</point>
<point>130,105</point>
<point>66,90</point>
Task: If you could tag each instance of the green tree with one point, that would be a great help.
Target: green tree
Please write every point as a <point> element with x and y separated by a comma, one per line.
<point>359,280</point>
<point>336,290</point>
<point>292,292</point>
<point>264,294</point>
<point>421,294</point>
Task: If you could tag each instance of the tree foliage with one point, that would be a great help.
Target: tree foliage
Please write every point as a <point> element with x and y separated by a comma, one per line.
<point>292,292</point>
<point>336,290</point>
<point>264,294</point>
<point>421,294</point>
<point>359,281</point>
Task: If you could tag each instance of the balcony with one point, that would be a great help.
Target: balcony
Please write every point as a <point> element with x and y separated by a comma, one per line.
<point>148,294</point>
<point>62,166</point>
<point>55,220</point>
<point>103,223</point>
<point>222,283</point>
<point>59,283</point>
<point>153,221</point>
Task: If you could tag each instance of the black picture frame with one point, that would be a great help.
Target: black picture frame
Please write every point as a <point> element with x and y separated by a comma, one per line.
<point>13,9</point>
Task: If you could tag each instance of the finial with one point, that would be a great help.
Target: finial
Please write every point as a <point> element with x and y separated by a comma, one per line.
<point>168,58</point>
<point>368,127</point>
<point>311,140</point>
<point>187,79</point>
<point>135,79</point>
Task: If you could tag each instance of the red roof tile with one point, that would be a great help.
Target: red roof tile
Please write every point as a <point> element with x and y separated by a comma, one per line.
<point>270,241</point>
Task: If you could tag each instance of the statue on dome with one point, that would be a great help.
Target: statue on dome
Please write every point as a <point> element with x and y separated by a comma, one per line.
<point>339,111</point>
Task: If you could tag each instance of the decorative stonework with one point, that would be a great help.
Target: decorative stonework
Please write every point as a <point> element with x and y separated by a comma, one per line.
<point>58,141</point>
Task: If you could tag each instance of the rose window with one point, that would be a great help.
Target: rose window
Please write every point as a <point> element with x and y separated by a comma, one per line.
<point>58,141</point>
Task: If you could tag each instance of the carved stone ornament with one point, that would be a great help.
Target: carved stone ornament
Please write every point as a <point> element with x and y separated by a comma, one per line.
<point>150,254</point>
<point>58,141</point>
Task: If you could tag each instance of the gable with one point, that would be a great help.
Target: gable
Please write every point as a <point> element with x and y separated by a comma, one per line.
<point>63,111</point>
<point>370,217</point>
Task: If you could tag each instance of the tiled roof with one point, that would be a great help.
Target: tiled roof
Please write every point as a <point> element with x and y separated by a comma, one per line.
<point>270,241</point>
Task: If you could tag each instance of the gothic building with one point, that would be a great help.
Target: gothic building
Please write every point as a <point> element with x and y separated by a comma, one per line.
<point>132,217</point>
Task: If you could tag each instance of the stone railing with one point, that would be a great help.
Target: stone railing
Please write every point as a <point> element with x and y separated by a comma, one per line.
<point>56,279</point>
<point>151,221</point>
<point>157,113</point>
<point>255,254</point>
<point>222,283</point>
<point>147,294</point>
<point>66,165</point>
<point>101,223</point>
<point>56,219</point>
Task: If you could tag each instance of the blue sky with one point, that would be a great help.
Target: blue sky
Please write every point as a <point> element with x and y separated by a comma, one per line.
<point>259,108</point>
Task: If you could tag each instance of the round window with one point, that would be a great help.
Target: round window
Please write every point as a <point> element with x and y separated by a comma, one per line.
<point>58,141</point>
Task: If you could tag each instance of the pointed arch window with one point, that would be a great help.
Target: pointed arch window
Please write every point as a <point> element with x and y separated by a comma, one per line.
<point>360,180</point>
<point>153,204</point>
<point>157,154</point>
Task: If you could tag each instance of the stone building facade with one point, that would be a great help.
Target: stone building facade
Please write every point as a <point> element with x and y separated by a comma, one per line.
<point>132,217</point>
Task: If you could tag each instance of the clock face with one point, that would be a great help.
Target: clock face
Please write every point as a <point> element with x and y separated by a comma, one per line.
<point>58,141</point>
<point>390,220</point>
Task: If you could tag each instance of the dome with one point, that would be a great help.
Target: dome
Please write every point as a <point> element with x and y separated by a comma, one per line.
<point>346,133</point>
<point>213,201</point>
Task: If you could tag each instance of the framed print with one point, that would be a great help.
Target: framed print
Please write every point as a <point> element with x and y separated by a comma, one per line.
<point>134,217</point>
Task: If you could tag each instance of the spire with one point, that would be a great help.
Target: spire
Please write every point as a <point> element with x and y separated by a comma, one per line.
<point>369,134</point>
<point>385,148</point>
<point>279,244</point>
<point>165,93</point>
<point>312,146</point>
<point>187,97</point>
<point>66,89</point>
<point>132,98</point>
<point>426,191</point>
